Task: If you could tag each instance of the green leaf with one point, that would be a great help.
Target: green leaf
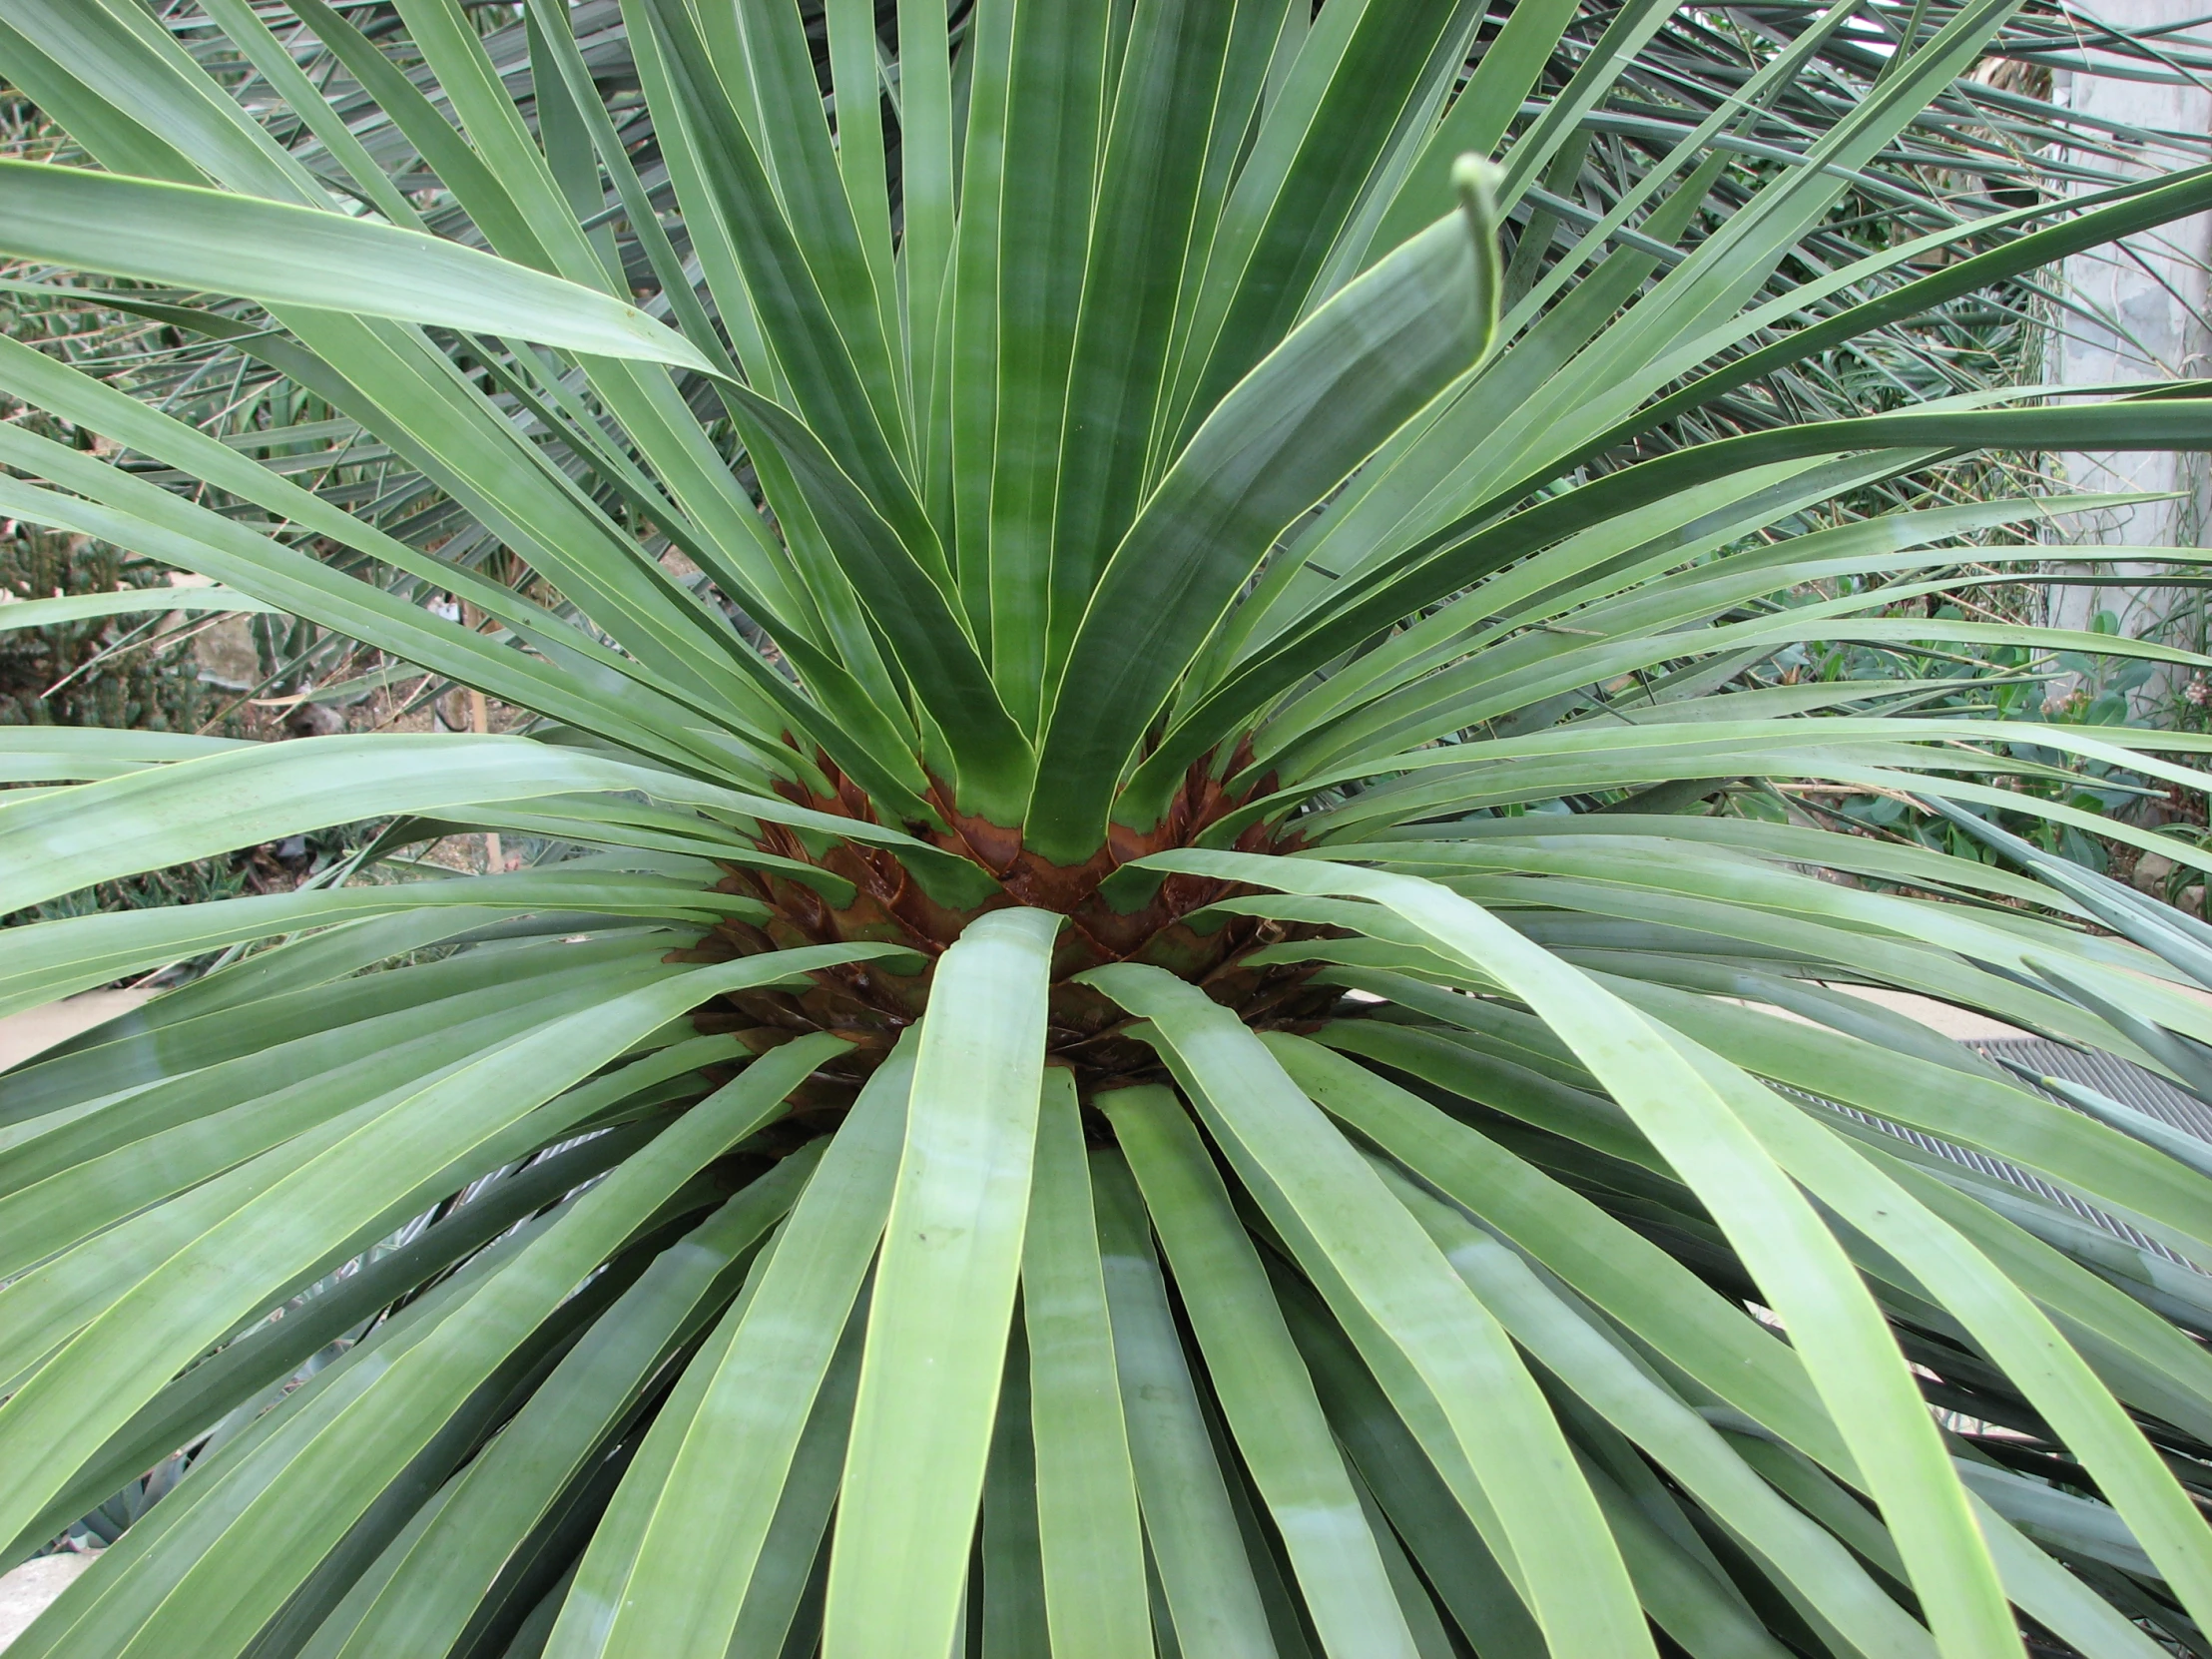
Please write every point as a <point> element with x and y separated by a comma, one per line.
<point>67,754</point>
<point>812,183</point>
<point>1056,93</point>
<point>1574,1348</point>
<point>944,1293</point>
<point>241,1575</point>
<point>925,169</point>
<point>2003,1321</point>
<point>597,1392</point>
<point>1294,193</point>
<point>1417,1501</point>
<point>1310,1180</point>
<point>52,959</point>
<point>1164,101</point>
<point>195,1025</point>
<point>268,1357</point>
<point>95,1171</point>
<point>668,1570</point>
<point>342,1178</point>
<point>983,506</point>
<point>241,797</point>
<point>1212,1602</point>
<point>1350,374</point>
<point>971,376</point>
<point>1090,1537</point>
<point>1479,117</point>
<point>825,368</point>
<point>1015,1618</point>
<point>902,589</point>
<point>280,255</point>
<point>1260,1379</point>
<point>1800,1267</point>
<point>1461,553</point>
<point>44,613</point>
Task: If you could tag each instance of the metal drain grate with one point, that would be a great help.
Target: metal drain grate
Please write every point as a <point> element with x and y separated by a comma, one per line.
<point>2131,1085</point>
<point>2128,1084</point>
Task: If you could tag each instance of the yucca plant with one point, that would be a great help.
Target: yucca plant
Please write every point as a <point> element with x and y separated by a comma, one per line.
<point>1173,1026</point>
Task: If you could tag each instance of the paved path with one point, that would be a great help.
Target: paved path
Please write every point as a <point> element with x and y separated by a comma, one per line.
<point>25,1592</point>
<point>25,1034</point>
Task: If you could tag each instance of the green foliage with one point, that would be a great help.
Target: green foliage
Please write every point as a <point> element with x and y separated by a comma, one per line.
<point>101,672</point>
<point>1191,995</point>
<point>98,672</point>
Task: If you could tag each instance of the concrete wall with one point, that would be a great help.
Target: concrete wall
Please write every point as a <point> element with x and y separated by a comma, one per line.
<point>2148,324</point>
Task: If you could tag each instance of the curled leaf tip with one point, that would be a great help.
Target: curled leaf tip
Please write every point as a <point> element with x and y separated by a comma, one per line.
<point>1472,176</point>
<point>1476,181</point>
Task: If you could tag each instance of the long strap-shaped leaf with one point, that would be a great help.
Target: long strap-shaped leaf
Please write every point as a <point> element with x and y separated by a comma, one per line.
<point>1803,1272</point>
<point>385,375</point>
<point>65,1294</point>
<point>2140,207</point>
<point>163,526</point>
<point>1015,1617</point>
<point>123,141</point>
<point>856,76</point>
<point>84,1618</point>
<point>112,1368</point>
<point>76,607</point>
<point>1462,554</point>
<point>1261,1382</point>
<point>1206,1575</point>
<point>1511,63</point>
<point>1792,1548</point>
<point>1089,1534</point>
<point>2006,1120</point>
<point>1697,522</point>
<point>504,223</point>
<point>1309,165</point>
<point>1320,403</point>
<point>2004,1323</point>
<point>1057,83</point>
<point>267,1356</point>
<point>270,56</point>
<point>68,753</point>
<point>905,591</point>
<point>926,138</point>
<point>1654,1297</point>
<point>149,819</point>
<point>241,1572</point>
<point>124,1159</point>
<point>725,528</point>
<point>1312,1182</point>
<point>1164,106</point>
<point>655,1581</point>
<point>50,961</point>
<point>1605,1261</point>
<point>944,1294</point>
<point>780,107</point>
<point>1466,1576</point>
<point>191,238</point>
<point>189,1030</point>
<point>1729,266</point>
<point>2147,1364</point>
<point>543,1456</point>
<point>964,415</point>
<point>817,359</point>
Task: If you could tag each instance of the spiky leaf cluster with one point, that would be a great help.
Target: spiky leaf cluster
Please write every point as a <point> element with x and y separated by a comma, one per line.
<point>1163,1021</point>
